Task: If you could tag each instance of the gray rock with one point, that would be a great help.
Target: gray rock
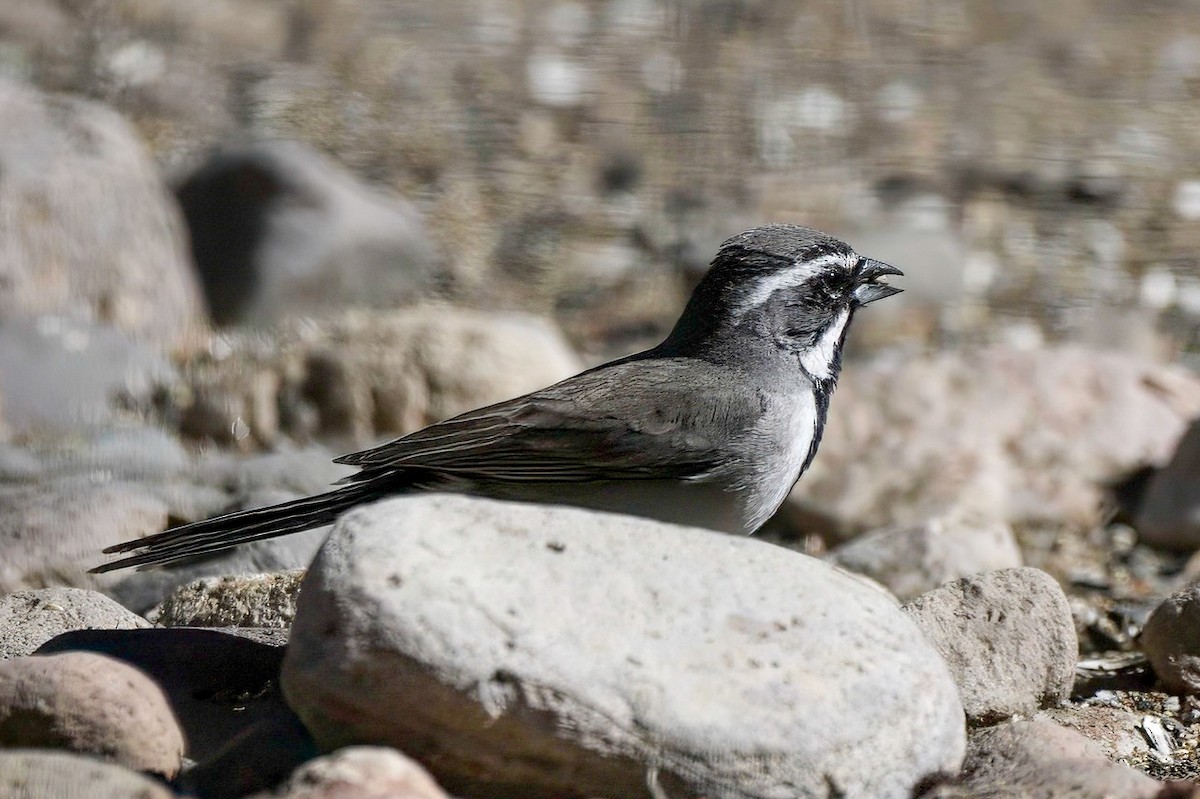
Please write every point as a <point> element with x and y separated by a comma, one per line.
<point>134,453</point>
<point>567,651</point>
<point>89,704</point>
<point>30,774</point>
<point>1042,760</point>
<point>29,619</point>
<point>365,772</point>
<point>253,600</point>
<point>279,229</point>
<point>18,464</point>
<point>911,560</point>
<point>1171,640</point>
<point>60,374</point>
<point>1169,514</point>
<point>218,682</point>
<point>51,532</point>
<point>1008,637</point>
<point>66,247</point>
<point>307,470</point>
<point>1013,435</point>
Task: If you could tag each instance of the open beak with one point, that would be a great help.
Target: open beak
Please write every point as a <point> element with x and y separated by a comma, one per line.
<point>869,288</point>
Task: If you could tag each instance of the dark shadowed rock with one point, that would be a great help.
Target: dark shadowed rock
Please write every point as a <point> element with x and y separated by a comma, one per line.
<point>1171,640</point>
<point>217,682</point>
<point>1169,513</point>
<point>258,757</point>
<point>279,229</point>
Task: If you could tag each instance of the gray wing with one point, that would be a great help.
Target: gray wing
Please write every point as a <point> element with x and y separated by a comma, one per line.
<point>646,419</point>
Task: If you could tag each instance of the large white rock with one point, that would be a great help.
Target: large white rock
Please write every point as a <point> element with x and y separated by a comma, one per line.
<point>542,651</point>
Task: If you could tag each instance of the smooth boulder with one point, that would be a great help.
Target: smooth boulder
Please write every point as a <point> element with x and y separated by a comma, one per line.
<point>90,704</point>
<point>536,651</point>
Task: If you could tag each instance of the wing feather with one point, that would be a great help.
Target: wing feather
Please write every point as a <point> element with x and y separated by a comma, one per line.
<point>613,423</point>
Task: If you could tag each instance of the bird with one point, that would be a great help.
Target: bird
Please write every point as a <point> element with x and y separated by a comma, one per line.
<point>710,428</point>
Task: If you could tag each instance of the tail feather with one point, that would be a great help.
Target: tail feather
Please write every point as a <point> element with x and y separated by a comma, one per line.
<point>240,527</point>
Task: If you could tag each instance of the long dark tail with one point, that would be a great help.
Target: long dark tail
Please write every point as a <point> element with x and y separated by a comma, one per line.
<point>240,527</point>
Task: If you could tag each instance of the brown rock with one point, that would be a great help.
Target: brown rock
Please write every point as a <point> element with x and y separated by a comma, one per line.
<point>1169,515</point>
<point>1171,640</point>
<point>90,704</point>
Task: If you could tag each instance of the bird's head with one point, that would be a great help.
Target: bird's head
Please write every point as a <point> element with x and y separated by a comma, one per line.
<point>791,287</point>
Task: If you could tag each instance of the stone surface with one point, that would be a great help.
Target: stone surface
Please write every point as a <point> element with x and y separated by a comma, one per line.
<point>364,375</point>
<point>52,531</point>
<point>911,560</point>
<point>278,229</point>
<point>533,650</point>
<point>218,682</point>
<point>29,619</point>
<point>1008,637</point>
<point>1171,640</point>
<point>65,246</point>
<point>1114,729</point>
<point>363,772</point>
<point>1012,435</point>
<point>89,704</point>
<point>253,600</point>
<point>1169,515</point>
<point>59,374</point>
<point>31,774</point>
<point>1042,760</point>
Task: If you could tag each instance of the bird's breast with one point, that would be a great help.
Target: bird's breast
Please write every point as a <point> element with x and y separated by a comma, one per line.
<point>781,442</point>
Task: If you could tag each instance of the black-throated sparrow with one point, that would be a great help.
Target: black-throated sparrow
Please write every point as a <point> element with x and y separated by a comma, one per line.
<point>711,428</point>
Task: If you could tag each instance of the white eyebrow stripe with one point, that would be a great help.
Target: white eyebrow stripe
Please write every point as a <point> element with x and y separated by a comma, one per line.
<point>788,278</point>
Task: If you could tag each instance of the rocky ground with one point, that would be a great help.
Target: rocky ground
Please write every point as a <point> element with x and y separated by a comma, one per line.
<point>239,238</point>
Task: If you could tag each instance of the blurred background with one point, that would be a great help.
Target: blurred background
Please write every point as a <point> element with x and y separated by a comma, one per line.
<point>1032,167</point>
